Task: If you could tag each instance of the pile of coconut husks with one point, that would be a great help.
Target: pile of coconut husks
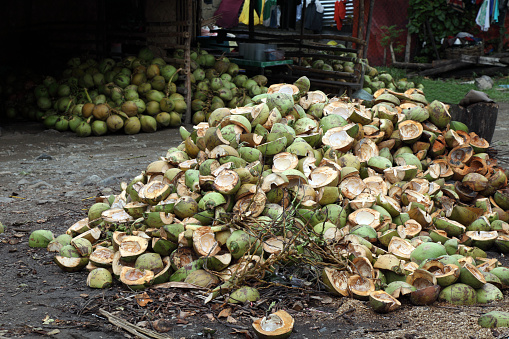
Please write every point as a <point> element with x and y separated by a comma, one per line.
<point>381,200</point>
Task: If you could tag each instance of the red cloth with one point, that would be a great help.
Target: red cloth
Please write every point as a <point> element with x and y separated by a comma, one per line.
<point>339,13</point>
<point>229,11</point>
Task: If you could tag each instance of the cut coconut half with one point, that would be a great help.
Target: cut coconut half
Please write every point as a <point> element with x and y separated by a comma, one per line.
<point>400,248</point>
<point>204,242</point>
<point>337,107</point>
<point>400,173</point>
<point>274,180</point>
<point>376,185</point>
<point>336,281</point>
<point>116,216</point>
<point>360,287</point>
<point>365,149</point>
<point>132,246</point>
<point>323,176</point>
<point>78,227</point>
<point>420,278</point>
<point>102,257</point>
<point>135,278</point>
<point>363,267</point>
<point>351,187</point>
<point>383,302</point>
<point>365,216</point>
<point>363,200</point>
<point>410,131</point>
<point>338,139</point>
<point>278,325</point>
<point>273,245</point>
<point>251,205</point>
<point>284,161</point>
<point>227,182</point>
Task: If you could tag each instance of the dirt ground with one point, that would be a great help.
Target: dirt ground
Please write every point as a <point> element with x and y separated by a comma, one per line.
<point>49,179</point>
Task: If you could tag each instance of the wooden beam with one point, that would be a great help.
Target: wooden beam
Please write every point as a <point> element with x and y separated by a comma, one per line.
<point>443,69</point>
<point>368,28</point>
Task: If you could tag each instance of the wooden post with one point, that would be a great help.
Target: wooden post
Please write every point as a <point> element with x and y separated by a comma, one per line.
<point>188,14</point>
<point>480,118</point>
<point>368,28</point>
<point>432,37</point>
<point>251,19</point>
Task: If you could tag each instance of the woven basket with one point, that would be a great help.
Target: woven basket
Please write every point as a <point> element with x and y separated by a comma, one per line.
<point>456,52</point>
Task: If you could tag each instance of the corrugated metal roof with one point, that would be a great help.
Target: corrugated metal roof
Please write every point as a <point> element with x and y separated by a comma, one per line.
<point>328,11</point>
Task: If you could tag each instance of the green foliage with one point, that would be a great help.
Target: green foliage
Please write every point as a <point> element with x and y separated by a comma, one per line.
<point>390,34</point>
<point>443,20</point>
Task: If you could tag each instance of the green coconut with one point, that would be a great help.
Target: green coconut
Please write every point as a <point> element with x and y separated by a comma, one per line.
<point>69,251</point>
<point>99,278</point>
<point>202,278</point>
<point>149,261</point>
<point>239,243</point>
<point>494,319</point>
<point>96,210</point>
<point>458,294</point>
<point>427,250</point>
<point>56,244</point>
<point>40,238</point>
<point>502,273</point>
<point>83,246</point>
<point>488,293</point>
<point>243,294</point>
<point>399,288</point>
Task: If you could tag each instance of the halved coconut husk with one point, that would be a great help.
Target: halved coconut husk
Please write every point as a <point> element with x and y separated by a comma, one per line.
<point>376,185</point>
<point>227,182</point>
<point>323,176</point>
<point>421,278</point>
<point>400,248</point>
<point>365,216</point>
<point>389,262</point>
<point>132,246</point>
<point>284,161</point>
<point>400,173</point>
<point>363,267</point>
<point>486,264</point>
<point>251,205</point>
<point>204,242</point>
<point>360,287</point>
<point>274,180</point>
<point>71,264</point>
<point>365,149</point>
<point>278,325</point>
<point>338,139</point>
<point>102,257</point>
<point>273,245</point>
<point>460,156</point>
<point>136,279</point>
<point>482,239</point>
<point>471,276</point>
<point>351,187</point>
<point>339,108</point>
<point>363,200</point>
<point>92,235</point>
<point>383,302</point>
<point>479,144</point>
<point>78,227</point>
<point>425,296</point>
<point>410,131</point>
<point>336,281</point>
<point>409,229</point>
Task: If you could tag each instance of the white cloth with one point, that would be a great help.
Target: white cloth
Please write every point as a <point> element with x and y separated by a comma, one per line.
<point>483,16</point>
<point>319,6</point>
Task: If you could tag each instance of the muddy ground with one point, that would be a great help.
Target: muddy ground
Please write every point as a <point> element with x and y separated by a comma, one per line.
<point>49,179</point>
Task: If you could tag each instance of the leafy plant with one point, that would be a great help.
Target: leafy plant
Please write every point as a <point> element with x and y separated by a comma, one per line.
<point>390,36</point>
<point>443,20</point>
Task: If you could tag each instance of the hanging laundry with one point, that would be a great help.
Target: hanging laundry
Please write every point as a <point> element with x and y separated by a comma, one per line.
<point>457,5</point>
<point>244,16</point>
<point>313,19</point>
<point>339,13</point>
<point>268,10</point>
<point>229,13</point>
<point>317,3</point>
<point>288,13</point>
<point>483,16</point>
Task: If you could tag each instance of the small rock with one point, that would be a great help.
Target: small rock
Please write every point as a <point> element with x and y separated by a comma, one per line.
<point>298,306</point>
<point>109,181</point>
<point>72,194</point>
<point>4,200</point>
<point>91,180</point>
<point>23,182</point>
<point>40,184</point>
<point>107,190</point>
<point>484,82</point>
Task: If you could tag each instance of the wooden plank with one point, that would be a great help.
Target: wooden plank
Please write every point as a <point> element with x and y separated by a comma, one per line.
<point>412,65</point>
<point>443,69</point>
<point>325,73</point>
<point>223,32</point>
<point>481,60</point>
